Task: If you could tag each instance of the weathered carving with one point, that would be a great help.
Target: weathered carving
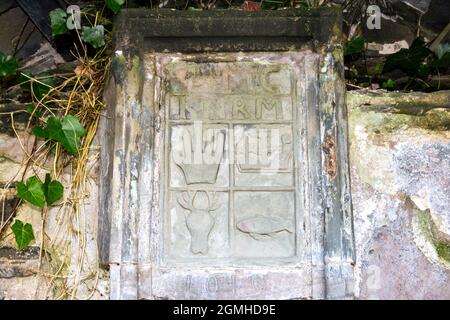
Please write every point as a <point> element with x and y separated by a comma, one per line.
<point>201,155</point>
<point>283,71</point>
<point>263,150</point>
<point>245,109</point>
<point>262,228</point>
<point>199,220</point>
<point>229,107</point>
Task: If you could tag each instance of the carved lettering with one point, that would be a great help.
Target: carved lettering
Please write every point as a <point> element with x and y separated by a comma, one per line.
<point>231,107</point>
<point>211,285</point>
<point>268,104</point>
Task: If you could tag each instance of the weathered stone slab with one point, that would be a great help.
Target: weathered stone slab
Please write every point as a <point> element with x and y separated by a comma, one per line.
<point>400,156</point>
<point>224,157</point>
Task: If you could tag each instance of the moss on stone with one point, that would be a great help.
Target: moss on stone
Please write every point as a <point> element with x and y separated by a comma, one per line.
<point>380,115</point>
<point>432,234</point>
<point>443,250</point>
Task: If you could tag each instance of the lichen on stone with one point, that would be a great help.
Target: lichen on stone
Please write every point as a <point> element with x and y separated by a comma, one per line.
<point>430,233</point>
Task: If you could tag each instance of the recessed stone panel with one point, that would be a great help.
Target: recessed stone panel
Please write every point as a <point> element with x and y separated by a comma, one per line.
<point>230,190</point>
<point>228,163</point>
<point>265,224</point>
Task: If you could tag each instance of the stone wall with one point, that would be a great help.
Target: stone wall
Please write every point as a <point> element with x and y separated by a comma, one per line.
<point>68,267</point>
<point>400,159</point>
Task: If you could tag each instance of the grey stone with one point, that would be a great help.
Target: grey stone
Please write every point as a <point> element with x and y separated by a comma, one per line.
<point>8,202</point>
<point>17,264</point>
<point>225,164</point>
<point>28,253</point>
<point>399,156</point>
<point>46,58</point>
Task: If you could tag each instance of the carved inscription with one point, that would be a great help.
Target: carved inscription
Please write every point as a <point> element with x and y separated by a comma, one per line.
<point>216,285</point>
<point>230,176</point>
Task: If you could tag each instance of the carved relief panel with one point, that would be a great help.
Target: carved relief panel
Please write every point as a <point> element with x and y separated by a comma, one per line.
<point>224,157</point>
<point>230,178</point>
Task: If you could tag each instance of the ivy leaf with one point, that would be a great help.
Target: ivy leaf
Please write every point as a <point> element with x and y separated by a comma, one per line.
<point>40,85</point>
<point>68,132</point>
<point>442,49</point>
<point>58,20</point>
<point>32,191</point>
<point>8,65</point>
<point>23,234</point>
<point>408,60</point>
<point>442,62</point>
<point>33,111</point>
<point>354,46</point>
<point>114,5</point>
<point>389,84</point>
<point>40,132</point>
<point>53,190</point>
<point>95,36</point>
<point>72,131</point>
<point>44,84</point>
<point>378,68</point>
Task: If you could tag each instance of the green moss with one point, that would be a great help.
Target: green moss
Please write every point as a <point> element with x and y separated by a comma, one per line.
<point>432,234</point>
<point>389,112</point>
<point>433,120</point>
<point>136,64</point>
<point>381,122</point>
<point>443,250</point>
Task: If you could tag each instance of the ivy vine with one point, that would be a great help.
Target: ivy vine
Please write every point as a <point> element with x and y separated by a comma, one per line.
<point>65,132</point>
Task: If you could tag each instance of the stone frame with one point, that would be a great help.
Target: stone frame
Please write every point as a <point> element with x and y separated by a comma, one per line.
<point>128,196</point>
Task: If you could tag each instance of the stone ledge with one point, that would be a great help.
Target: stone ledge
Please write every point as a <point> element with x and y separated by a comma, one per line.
<point>223,30</point>
<point>17,264</point>
<point>411,103</point>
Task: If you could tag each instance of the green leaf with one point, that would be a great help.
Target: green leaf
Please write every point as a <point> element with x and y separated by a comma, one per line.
<point>389,84</point>
<point>442,62</point>
<point>53,190</point>
<point>42,85</point>
<point>58,20</point>
<point>8,65</point>
<point>95,36</point>
<point>67,132</point>
<point>354,46</point>
<point>33,111</point>
<point>378,68</point>
<point>423,70</point>
<point>32,191</point>
<point>114,5</point>
<point>23,234</point>
<point>442,49</point>
<point>40,132</point>
<point>408,60</point>
<point>72,131</point>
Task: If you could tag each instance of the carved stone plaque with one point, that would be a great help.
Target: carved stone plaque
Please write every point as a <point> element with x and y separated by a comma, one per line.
<point>241,203</point>
<point>229,178</point>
